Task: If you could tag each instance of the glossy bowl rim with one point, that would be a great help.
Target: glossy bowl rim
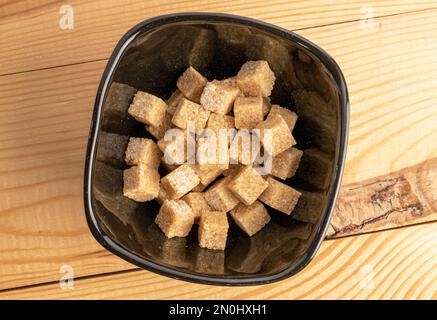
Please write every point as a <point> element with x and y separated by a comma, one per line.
<point>335,180</point>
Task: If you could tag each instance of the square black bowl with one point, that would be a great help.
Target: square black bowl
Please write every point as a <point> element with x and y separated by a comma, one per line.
<point>150,57</point>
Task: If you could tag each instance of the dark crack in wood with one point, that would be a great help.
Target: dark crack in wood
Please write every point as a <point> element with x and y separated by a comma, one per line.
<point>400,198</point>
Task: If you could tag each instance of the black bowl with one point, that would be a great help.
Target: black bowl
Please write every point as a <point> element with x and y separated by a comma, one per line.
<point>150,57</point>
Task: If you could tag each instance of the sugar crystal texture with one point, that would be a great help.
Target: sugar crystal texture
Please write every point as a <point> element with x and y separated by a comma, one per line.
<point>189,112</point>
<point>219,96</point>
<point>219,197</point>
<point>191,83</point>
<point>247,185</point>
<point>255,78</point>
<point>281,138</point>
<point>159,131</point>
<point>251,218</point>
<point>248,112</point>
<point>148,109</point>
<point>175,218</point>
<point>285,164</point>
<point>221,125</point>
<point>141,183</point>
<point>280,196</point>
<point>197,202</point>
<point>266,106</point>
<point>289,116</point>
<point>173,101</point>
<point>180,181</point>
<point>143,150</point>
<point>213,230</point>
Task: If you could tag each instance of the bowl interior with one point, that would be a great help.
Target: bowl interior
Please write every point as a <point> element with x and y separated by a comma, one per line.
<point>152,62</point>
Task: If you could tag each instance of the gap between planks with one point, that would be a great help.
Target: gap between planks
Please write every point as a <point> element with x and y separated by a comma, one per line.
<point>400,263</point>
<point>138,269</point>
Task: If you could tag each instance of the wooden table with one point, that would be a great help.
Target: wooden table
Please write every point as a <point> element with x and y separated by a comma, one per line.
<point>48,80</point>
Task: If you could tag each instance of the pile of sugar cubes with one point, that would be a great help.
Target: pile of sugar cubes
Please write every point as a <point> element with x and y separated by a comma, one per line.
<point>204,193</point>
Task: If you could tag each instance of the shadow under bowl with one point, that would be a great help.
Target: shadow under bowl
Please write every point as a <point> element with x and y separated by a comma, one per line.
<point>150,57</point>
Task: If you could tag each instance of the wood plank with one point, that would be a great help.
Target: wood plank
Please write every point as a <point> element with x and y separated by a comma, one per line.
<point>400,198</point>
<point>397,264</point>
<point>44,121</point>
<point>99,25</point>
<point>45,115</point>
<point>391,72</point>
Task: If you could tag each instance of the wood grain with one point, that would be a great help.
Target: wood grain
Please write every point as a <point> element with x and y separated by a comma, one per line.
<point>400,198</point>
<point>391,72</point>
<point>397,264</point>
<point>44,121</point>
<point>32,38</point>
<point>45,116</point>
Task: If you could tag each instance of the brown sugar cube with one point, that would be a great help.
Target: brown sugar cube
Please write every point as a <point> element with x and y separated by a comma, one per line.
<point>147,108</point>
<point>232,81</point>
<point>191,84</point>
<point>162,195</point>
<point>188,111</point>
<point>219,197</point>
<point>248,112</point>
<point>279,196</point>
<point>281,138</point>
<point>141,183</point>
<point>175,218</point>
<point>159,131</point>
<point>197,202</point>
<point>209,167</point>
<point>212,159</point>
<point>247,185</point>
<point>213,230</point>
<point>285,164</point>
<point>207,173</point>
<point>289,116</point>
<point>174,147</point>
<point>245,148</point>
<point>143,150</point>
<point>211,151</point>
<point>219,96</point>
<point>251,218</point>
<point>266,106</point>
<point>218,123</point>
<point>173,101</point>
<point>180,181</point>
<point>255,78</point>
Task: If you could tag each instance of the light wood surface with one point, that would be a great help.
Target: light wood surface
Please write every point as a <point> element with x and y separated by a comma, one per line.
<point>44,121</point>
<point>391,70</point>
<point>388,265</point>
<point>33,40</point>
